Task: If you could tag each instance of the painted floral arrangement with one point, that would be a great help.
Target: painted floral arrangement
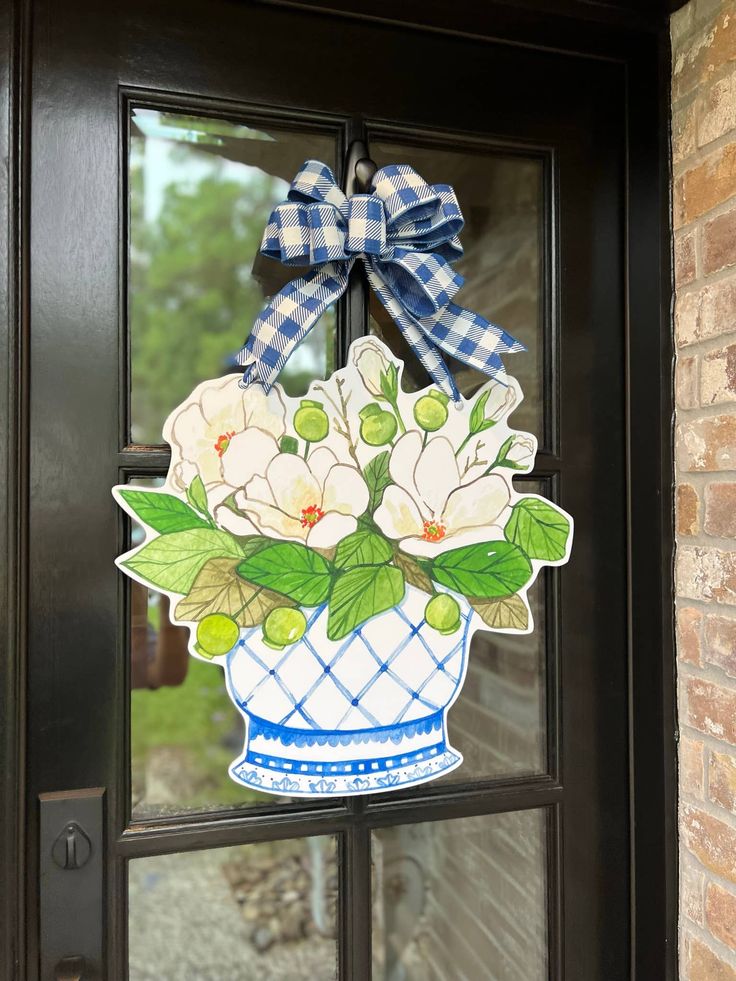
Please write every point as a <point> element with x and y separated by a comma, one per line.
<point>274,507</point>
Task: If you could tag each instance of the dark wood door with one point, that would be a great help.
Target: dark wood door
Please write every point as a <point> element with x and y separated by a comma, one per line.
<point>149,120</point>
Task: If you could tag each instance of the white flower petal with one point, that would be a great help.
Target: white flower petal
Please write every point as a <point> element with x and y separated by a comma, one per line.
<point>248,453</point>
<point>236,524</point>
<point>216,493</point>
<point>404,458</point>
<point>267,412</point>
<point>182,474</point>
<point>477,504</point>
<point>269,518</point>
<point>436,473</point>
<point>321,461</point>
<point>398,515</point>
<point>422,548</point>
<point>345,491</point>
<point>425,549</point>
<point>292,483</point>
<point>370,360</point>
<point>330,530</point>
<point>257,489</point>
<point>222,406</point>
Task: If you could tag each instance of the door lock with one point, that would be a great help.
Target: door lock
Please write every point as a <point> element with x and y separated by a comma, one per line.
<point>72,848</point>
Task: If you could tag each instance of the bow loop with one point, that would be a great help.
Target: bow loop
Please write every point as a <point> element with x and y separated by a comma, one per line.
<point>405,232</point>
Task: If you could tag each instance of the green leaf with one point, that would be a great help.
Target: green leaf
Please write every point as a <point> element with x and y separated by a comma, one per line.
<point>389,382</point>
<point>486,569</point>
<point>362,548</point>
<point>291,569</point>
<point>539,528</point>
<point>377,478</point>
<point>173,561</point>
<point>503,613</point>
<point>413,572</point>
<point>360,594</point>
<point>162,512</point>
<point>289,445</point>
<point>197,495</point>
<point>219,589</point>
<point>477,414</point>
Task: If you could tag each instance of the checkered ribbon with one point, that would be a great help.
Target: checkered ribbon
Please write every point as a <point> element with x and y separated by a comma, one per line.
<point>405,232</point>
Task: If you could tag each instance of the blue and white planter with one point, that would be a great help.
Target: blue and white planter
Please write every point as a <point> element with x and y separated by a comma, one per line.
<point>333,718</point>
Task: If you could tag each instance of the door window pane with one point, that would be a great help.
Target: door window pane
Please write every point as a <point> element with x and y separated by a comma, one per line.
<point>184,729</point>
<point>461,900</point>
<point>201,191</point>
<point>501,197</point>
<point>253,913</point>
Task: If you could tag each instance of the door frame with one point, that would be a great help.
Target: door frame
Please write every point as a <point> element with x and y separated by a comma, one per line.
<point>638,41</point>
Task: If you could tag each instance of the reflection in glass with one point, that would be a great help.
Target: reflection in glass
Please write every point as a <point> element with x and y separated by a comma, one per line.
<point>498,721</point>
<point>250,913</point>
<point>201,191</point>
<point>501,199</point>
<point>461,900</point>
<point>184,729</point>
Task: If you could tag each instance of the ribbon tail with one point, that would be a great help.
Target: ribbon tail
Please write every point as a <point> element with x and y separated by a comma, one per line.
<point>287,319</point>
<point>417,339</point>
<point>470,338</point>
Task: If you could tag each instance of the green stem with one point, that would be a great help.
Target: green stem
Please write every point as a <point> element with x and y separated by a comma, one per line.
<point>307,444</point>
<point>395,406</point>
<point>464,443</point>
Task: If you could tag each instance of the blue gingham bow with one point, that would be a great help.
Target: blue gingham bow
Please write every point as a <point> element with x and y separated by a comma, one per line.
<point>406,234</point>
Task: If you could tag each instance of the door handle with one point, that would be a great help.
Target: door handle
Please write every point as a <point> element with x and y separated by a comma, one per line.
<point>70,969</point>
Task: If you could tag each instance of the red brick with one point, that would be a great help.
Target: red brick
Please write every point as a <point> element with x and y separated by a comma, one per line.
<point>718,376</point>
<point>691,892</point>
<point>684,260</point>
<point>688,316</point>
<point>686,383</point>
<point>718,112</point>
<point>697,57</point>
<point>719,242</point>
<point>710,183</point>
<point>683,133</point>
<point>711,709</point>
<point>706,574</point>
<point>722,780</point>
<point>717,310</point>
<point>692,768</point>
<point>704,965</point>
<point>720,509</point>
<point>707,444</point>
<point>720,643</point>
<point>711,841</point>
<point>689,622</point>
<point>720,914</point>
<point>688,510</point>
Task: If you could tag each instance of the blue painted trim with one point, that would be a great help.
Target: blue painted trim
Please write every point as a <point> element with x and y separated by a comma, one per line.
<point>344,737</point>
<point>283,764</point>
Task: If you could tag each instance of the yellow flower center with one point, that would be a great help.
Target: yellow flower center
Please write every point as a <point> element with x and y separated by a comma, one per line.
<point>223,442</point>
<point>311,515</point>
<point>433,531</point>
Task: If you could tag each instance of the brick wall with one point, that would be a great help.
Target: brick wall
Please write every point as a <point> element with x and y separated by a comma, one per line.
<point>704,213</point>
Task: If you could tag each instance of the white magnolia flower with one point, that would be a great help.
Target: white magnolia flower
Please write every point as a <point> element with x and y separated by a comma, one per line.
<point>202,430</point>
<point>428,508</point>
<point>315,501</point>
<point>521,452</point>
<point>371,362</point>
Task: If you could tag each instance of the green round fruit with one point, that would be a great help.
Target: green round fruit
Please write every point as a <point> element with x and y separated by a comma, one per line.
<point>430,411</point>
<point>216,634</point>
<point>283,626</point>
<point>443,613</point>
<point>311,422</point>
<point>377,426</point>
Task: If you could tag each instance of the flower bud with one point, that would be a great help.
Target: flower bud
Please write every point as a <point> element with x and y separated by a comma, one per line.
<point>442,613</point>
<point>310,421</point>
<point>430,411</point>
<point>377,426</point>
<point>283,626</point>
<point>520,455</point>
<point>372,364</point>
<point>216,635</point>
